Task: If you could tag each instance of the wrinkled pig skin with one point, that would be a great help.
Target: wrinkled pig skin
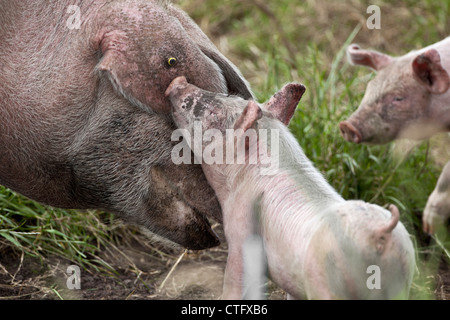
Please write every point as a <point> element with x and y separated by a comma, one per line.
<point>318,245</point>
<point>408,98</point>
<point>437,209</point>
<point>83,118</point>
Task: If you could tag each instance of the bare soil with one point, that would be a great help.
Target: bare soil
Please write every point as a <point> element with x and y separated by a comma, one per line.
<point>143,271</point>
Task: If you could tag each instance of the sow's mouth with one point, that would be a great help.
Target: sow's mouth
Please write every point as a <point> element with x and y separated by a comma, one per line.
<point>199,236</point>
<point>193,233</point>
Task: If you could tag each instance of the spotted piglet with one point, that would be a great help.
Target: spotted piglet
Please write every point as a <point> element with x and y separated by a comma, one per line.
<point>317,245</point>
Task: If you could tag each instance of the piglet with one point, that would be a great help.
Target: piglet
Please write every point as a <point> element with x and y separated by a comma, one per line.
<point>408,98</point>
<point>437,210</point>
<point>317,245</point>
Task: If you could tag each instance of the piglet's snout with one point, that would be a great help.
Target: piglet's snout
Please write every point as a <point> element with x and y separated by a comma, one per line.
<point>178,83</point>
<point>349,132</point>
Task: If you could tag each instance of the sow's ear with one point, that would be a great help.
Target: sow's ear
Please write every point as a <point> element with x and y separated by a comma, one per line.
<point>114,45</point>
<point>235,82</point>
<point>428,70</point>
<point>283,103</point>
<point>367,58</point>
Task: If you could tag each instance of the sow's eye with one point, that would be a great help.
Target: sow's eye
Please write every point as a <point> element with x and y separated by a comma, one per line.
<point>171,62</point>
<point>397,99</point>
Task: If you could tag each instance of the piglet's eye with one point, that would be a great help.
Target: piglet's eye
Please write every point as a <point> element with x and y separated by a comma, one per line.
<point>171,62</point>
<point>399,98</point>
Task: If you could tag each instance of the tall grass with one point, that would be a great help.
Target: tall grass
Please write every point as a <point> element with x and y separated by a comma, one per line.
<point>43,231</point>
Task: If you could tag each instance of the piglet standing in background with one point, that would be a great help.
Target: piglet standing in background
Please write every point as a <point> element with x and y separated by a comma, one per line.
<point>408,98</point>
<point>437,210</point>
<point>408,93</point>
<point>318,246</point>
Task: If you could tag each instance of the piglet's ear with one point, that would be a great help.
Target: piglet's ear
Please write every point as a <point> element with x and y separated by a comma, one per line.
<point>428,70</point>
<point>249,116</point>
<point>283,103</point>
<point>367,58</point>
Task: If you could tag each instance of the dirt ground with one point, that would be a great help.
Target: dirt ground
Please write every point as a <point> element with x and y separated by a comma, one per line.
<point>37,281</point>
<point>144,271</point>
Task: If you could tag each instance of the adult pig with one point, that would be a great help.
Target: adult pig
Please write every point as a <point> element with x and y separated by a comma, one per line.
<point>84,122</point>
<point>318,246</point>
<point>408,98</point>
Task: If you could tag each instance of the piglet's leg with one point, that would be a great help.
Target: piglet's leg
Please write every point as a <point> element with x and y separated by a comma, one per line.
<point>437,210</point>
<point>237,227</point>
<point>233,279</point>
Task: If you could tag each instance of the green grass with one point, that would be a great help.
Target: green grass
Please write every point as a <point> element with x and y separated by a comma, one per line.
<point>274,43</point>
<point>42,231</point>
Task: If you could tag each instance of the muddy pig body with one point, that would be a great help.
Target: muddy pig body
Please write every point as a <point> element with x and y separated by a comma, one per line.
<point>408,98</point>
<point>83,118</point>
<point>318,246</point>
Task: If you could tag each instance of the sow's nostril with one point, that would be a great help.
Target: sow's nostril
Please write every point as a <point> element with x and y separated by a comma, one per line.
<point>349,132</point>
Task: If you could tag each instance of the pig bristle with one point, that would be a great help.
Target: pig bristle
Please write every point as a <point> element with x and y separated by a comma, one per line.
<point>165,3</point>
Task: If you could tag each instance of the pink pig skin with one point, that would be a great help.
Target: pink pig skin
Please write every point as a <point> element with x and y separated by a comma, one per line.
<point>408,98</point>
<point>437,209</point>
<point>318,246</point>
